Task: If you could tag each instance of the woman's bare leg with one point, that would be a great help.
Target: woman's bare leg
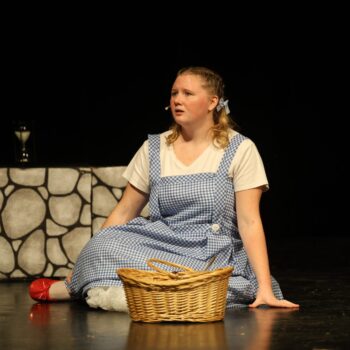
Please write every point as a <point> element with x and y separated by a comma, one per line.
<point>59,291</point>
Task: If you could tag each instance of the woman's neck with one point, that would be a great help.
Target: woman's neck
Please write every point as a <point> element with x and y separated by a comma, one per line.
<point>188,147</point>
<point>196,134</point>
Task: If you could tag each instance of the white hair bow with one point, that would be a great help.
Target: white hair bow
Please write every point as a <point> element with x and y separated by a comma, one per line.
<point>223,104</point>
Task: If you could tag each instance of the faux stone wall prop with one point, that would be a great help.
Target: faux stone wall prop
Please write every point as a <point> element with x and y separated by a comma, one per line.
<point>39,209</point>
<point>47,215</point>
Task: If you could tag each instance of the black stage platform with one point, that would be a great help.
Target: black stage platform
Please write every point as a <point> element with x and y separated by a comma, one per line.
<point>311,271</point>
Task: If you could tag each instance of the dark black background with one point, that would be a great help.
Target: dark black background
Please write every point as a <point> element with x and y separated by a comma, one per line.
<point>92,91</point>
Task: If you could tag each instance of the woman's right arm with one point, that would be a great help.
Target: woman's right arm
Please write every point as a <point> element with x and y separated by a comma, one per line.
<point>129,207</point>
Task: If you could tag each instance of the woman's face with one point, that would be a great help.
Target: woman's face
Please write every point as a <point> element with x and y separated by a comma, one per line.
<point>190,102</point>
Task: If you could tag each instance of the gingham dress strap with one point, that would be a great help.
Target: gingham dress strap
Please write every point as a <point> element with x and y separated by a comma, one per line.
<point>222,175</point>
<point>154,157</point>
<point>229,154</point>
<point>154,175</point>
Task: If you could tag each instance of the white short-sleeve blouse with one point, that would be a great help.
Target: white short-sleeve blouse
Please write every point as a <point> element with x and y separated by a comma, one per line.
<point>247,169</point>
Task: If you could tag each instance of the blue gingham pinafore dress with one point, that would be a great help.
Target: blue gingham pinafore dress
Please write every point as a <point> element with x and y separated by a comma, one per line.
<point>192,219</point>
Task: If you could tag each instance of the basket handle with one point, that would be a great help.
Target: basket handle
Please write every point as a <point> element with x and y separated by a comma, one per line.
<point>153,260</point>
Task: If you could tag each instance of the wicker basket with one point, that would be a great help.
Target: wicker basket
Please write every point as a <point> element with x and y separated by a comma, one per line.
<point>188,295</point>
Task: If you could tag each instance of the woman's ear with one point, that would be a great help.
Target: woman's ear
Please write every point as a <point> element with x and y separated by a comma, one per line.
<point>213,102</point>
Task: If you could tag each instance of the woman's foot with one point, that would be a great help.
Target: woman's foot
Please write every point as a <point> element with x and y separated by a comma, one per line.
<point>45,289</point>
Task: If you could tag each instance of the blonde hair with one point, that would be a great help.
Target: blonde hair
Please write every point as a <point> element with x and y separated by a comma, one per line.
<point>213,83</point>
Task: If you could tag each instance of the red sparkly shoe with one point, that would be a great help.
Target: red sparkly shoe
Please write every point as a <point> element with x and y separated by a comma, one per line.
<point>39,289</point>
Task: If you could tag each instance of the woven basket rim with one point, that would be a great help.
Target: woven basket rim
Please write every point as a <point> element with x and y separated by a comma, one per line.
<point>151,278</point>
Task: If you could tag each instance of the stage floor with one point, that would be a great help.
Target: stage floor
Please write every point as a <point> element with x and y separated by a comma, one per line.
<point>312,272</point>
